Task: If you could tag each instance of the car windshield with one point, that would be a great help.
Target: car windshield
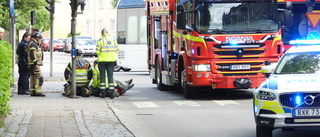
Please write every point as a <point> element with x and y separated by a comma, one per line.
<point>85,42</point>
<point>300,63</point>
<point>57,41</point>
<point>83,37</point>
<point>45,40</point>
<point>236,17</point>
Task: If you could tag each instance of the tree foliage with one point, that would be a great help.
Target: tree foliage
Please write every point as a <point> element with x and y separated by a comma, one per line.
<point>23,8</point>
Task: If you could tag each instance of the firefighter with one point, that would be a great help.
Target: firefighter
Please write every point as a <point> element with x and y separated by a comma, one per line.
<point>35,58</point>
<point>120,88</point>
<point>84,74</point>
<point>106,50</point>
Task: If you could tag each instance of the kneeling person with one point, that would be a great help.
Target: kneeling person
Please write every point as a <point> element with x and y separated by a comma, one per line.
<point>120,88</point>
<point>84,75</point>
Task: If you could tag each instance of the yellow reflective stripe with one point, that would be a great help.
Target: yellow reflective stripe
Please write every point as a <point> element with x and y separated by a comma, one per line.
<point>197,39</point>
<point>272,105</point>
<point>275,39</point>
<point>176,34</point>
<point>245,56</point>
<point>159,12</point>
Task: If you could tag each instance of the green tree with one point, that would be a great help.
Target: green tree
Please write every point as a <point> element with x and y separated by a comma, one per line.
<point>114,3</point>
<point>23,8</point>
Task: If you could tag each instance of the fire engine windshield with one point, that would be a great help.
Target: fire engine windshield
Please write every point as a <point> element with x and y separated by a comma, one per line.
<point>236,17</point>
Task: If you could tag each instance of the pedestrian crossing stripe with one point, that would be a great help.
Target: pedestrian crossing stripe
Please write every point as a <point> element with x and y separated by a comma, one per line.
<point>145,104</point>
<point>150,104</point>
<point>187,103</point>
<point>226,102</point>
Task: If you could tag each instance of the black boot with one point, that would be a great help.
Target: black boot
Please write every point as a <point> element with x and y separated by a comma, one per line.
<point>20,92</point>
<point>111,94</point>
<point>38,95</point>
<point>26,92</point>
<point>129,81</point>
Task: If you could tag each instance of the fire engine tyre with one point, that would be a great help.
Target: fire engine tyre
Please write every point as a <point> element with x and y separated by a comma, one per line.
<point>188,91</point>
<point>160,86</point>
<point>263,131</point>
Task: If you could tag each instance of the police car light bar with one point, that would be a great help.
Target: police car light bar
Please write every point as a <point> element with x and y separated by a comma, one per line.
<point>304,42</point>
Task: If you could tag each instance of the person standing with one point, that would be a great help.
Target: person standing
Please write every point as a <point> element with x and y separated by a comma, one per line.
<point>35,58</point>
<point>23,81</point>
<point>1,33</point>
<point>106,50</point>
<point>83,77</point>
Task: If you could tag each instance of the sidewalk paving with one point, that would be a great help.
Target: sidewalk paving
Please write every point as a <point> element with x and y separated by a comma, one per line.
<point>57,116</point>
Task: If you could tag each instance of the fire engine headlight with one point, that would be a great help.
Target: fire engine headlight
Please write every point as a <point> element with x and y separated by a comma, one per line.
<point>201,67</point>
<point>265,95</point>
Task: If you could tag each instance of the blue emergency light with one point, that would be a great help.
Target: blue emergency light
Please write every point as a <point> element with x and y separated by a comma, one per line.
<point>304,42</point>
<point>297,99</point>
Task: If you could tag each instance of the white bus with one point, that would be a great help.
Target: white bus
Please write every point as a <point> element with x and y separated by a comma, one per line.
<point>132,35</point>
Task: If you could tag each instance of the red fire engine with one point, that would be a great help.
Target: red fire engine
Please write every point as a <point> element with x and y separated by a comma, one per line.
<point>197,45</point>
<point>306,16</point>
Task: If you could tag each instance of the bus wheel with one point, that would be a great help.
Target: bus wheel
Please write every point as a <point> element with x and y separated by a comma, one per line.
<point>160,86</point>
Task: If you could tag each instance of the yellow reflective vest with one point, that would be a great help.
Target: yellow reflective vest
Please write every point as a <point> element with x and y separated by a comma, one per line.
<point>83,75</point>
<point>107,49</point>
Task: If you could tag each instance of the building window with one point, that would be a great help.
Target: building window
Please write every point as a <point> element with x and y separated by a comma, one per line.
<point>132,29</point>
<point>101,24</point>
<point>88,4</point>
<point>101,4</point>
<point>143,30</point>
<point>112,25</point>
<point>88,26</point>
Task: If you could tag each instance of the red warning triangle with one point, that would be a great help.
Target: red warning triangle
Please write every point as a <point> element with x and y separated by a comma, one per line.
<point>313,18</point>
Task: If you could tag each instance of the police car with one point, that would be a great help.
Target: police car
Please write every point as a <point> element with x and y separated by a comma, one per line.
<point>290,97</point>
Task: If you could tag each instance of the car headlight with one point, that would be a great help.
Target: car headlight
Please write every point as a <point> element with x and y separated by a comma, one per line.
<point>265,95</point>
<point>201,67</point>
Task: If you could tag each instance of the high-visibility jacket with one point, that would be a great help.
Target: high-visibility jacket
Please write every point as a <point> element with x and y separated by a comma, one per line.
<point>96,78</point>
<point>34,51</point>
<point>107,49</point>
<point>83,74</point>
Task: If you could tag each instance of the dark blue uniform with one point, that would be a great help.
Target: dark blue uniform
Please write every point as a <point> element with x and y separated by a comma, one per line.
<point>24,73</point>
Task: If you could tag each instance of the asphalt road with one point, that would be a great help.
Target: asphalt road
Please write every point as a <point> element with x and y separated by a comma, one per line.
<point>153,113</point>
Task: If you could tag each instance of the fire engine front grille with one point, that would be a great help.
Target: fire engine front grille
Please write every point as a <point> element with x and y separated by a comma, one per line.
<point>300,100</point>
<point>248,50</point>
<point>235,52</point>
<point>235,68</point>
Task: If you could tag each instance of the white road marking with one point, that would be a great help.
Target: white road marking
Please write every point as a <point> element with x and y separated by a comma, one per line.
<point>187,103</point>
<point>138,98</point>
<point>226,102</point>
<point>145,104</point>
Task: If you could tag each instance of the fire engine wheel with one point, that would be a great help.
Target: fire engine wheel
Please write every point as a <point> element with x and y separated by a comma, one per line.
<point>188,91</point>
<point>160,86</point>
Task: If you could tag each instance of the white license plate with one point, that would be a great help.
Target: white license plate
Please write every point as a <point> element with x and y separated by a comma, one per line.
<point>239,67</point>
<point>306,112</point>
